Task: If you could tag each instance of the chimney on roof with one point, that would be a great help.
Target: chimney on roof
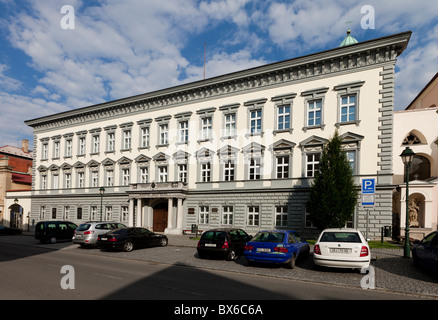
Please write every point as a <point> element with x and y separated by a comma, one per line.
<point>25,145</point>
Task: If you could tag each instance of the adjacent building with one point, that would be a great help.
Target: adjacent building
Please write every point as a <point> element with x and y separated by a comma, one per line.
<point>234,150</point>
<point>15,176</point>
<point>417,127</point>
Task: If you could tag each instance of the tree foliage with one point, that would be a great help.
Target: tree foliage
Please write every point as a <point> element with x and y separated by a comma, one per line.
<point>333,194</point>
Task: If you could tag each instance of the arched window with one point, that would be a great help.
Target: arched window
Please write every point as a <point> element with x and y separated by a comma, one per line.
<point>420,169</point>
<point>414,137</point>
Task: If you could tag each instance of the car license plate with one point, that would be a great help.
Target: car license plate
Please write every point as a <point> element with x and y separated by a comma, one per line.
<point>210,245</point>
<point>263,250</point>
<point>340,250</point>
<point>103,239</point>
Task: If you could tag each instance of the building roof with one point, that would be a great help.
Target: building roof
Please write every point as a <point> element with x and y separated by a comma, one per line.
<point>16,151</point>
<point>426,87</point>
<point>349,40</point>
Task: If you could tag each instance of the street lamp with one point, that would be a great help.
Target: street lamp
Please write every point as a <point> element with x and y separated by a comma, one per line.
<point>102,191</point>
<point>407,158</point>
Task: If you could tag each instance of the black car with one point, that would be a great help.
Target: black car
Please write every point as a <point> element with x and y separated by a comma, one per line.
<point>224,242</point>
<point>54,231</point>
<point>127,239</point>
<point>7,230</point>
<point>425,252</point>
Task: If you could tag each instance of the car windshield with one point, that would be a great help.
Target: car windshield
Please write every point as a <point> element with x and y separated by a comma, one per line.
<point>340,237</point>
<point>83,227</point>
<point>269,237</point>
<point>213,235</point>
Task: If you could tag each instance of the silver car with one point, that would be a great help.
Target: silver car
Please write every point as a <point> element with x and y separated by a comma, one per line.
<point>86,234</point>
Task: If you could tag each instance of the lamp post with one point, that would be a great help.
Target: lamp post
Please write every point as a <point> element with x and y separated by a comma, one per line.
<point>407,157</point>
<point>102,191</point>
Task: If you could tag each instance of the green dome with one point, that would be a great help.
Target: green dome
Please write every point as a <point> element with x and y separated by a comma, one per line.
<point>348,40</point>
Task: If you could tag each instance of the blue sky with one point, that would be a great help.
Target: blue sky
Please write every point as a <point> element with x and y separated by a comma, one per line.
<point>120,48</point>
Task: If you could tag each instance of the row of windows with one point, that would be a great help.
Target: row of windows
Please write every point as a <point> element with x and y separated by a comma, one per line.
<point>254,171</point>
<point>252,216</point>
<point>227,218</point>
<point>314,104</point>
<point>94,215</point>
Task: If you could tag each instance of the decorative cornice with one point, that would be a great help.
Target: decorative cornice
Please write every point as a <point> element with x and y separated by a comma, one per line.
<point>344,59</point>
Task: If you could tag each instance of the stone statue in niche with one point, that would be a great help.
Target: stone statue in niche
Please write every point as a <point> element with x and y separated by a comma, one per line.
<point>414,209</point>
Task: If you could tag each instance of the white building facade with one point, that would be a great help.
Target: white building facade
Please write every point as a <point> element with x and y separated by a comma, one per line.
<point>235,150</point>
<point>416,127</point>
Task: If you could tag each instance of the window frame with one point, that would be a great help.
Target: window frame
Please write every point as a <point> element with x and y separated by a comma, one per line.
<point>227,215</point>
<point>255,106</point>
<point>312,96</point>
<point>253,216</point>
<point>204,214</point>
<point>347,90</point>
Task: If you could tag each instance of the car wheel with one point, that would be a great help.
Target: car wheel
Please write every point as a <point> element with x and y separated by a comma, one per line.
<point>128,246</point>
<point>163,242</point>
<point>291,263</point>
<point>232,255</point>
<point>52,240</point>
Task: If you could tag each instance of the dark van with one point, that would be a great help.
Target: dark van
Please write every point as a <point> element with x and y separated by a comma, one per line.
<point>53,231</point>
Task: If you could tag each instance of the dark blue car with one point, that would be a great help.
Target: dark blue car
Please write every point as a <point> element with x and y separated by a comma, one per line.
<point>425,252</point>
<point>276,246</point>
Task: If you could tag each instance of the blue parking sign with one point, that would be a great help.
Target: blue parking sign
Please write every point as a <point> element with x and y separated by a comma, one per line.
<point>368,185</point>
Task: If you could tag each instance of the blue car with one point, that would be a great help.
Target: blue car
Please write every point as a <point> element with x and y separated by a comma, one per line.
<point>276,246</point>
<point>425,252</point>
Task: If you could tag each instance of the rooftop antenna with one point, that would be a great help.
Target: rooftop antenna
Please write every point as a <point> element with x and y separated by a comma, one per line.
<point>205,45</point>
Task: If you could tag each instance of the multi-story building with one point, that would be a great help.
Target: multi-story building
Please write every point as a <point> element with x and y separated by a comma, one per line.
<point>15,176</point>
<point>416,127</point>
<point>234,150</point>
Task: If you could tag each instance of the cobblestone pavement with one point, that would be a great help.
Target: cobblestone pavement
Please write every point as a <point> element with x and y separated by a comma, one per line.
<point>390,270</point>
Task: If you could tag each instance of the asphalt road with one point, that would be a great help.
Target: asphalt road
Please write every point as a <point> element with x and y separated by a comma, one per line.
<point>30,272</point>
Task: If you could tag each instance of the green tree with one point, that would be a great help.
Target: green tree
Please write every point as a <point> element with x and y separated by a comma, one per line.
<point>333,194</point>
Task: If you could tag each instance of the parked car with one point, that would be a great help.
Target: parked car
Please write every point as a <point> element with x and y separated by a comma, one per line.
<point>8,231</point>
<point>425,252</point>
<point>276,246</point>
<point>341,248</point>
<point>54,231</point>
<point>127,239</point>
<point>86,234</point>
<point>227,243</point>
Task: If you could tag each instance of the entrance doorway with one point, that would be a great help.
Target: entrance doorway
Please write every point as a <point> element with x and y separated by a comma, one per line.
<point>16,216</point>
<point>160,217</point>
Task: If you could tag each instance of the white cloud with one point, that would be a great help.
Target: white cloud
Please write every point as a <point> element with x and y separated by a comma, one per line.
<point>14,109</point>
<point>6,82</point>
<point>223,63</point>
<point>416,67</point>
